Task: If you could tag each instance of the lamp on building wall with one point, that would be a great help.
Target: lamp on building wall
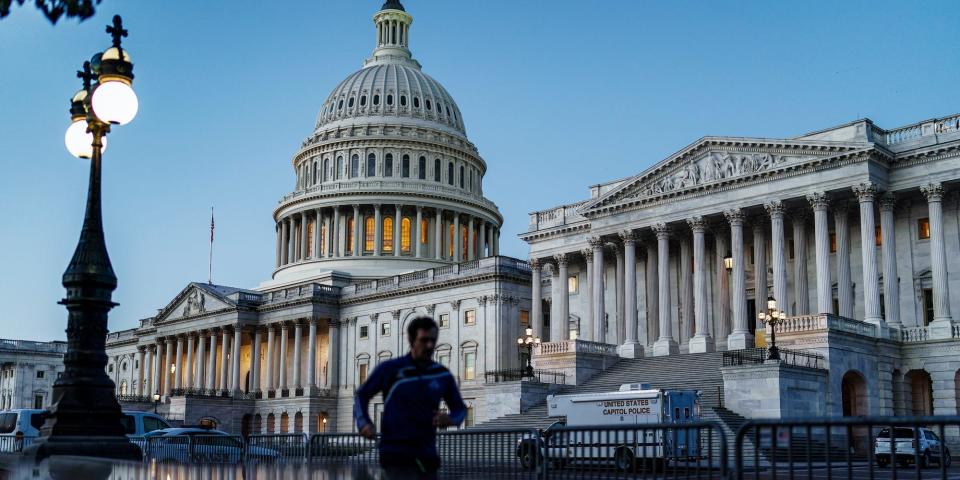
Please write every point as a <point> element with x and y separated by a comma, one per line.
<point>728,261</point>
<point>85,417</point>
<point>526,342</point>
<point>772,317</point>
<point>156,401</point>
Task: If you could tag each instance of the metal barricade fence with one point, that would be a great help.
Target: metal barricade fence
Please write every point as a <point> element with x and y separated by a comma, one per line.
<point>203,449</point>
<point>15,444</point>
<point>484,453</point>
<point>286,446</point>
<point>847,447</point>
<point>687,450</point>
<point>348,448</point>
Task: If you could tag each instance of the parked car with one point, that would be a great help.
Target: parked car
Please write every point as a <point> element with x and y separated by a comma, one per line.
<point>907,450</point>
<point>194,444</point>
<point>18,428</point>
<point>138,424</point>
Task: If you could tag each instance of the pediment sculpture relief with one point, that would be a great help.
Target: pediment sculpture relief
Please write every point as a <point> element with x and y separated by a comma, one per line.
<point>196,303</point>
<point>713,167</point>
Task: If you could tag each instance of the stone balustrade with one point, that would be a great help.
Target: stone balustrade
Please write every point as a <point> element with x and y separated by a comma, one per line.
<point>558,216</point>
<point>31,346</point>
<point>935,126</point>
<point>574,346</point>
<point>474,267</point>
<point>823,322</point>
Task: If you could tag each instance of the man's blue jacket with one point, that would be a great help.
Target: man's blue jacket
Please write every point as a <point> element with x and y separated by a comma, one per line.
<point>411,398</point>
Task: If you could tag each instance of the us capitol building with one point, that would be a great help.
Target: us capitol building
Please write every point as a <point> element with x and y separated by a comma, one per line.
<point>850,230</point>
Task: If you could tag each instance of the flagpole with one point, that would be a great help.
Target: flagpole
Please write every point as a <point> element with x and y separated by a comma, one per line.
<point>210,265</point>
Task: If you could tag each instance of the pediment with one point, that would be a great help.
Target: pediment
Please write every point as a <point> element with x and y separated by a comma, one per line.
<point>711,162</point>
<point>194,300</point>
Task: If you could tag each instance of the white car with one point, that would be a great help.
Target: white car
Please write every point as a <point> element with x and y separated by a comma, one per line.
<point>907,451</point>
<point>191,444</point>
<point>19,427</point>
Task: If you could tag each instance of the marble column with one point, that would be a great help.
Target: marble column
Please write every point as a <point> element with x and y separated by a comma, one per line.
<point>820,202</point>
<point>224,366</point>
<point>599,313</point>
<point>631,348</point>
<point>279,246</point>
<point>178,364</point>
<point>418,234</point>
<point>482,248</point>
<point>304,238</point>
<point>235,360</point>
<point>457,239</point>
<point>333,354</point>
<point>665,344</point>
<point>891,279</point>
<point>212,363</point>
<point>844,277</point>
<point>271,386</point>
<point>312,354</point>
<point>335,246</point>
<point>722,327</point>
<point>561,321</point>
<point>140,370</point>
<point>471,244</point>
<point>200,367</point>
<point>778,243</point>
<point>685,324</point>
<point>297,337</point>
<point>284,328</point>
<point>318,228</point>
<point>156,366</point>
<point>397,219</point>
<point>760,266</point>
<point>167,375</point>
<point>188,368</point>
<point>357,239</point>
<point>702,340</point>
<point>866,193</point>
<point>536,300</point>
<point>438,234</point>
<point>255,361</point>
<point>741,337</point>
<point>942,320</point>
<point>586,320</point>
<point>285,242</point>
<point>377,231</point>
<point>801,290</point>
<point>620,324</point>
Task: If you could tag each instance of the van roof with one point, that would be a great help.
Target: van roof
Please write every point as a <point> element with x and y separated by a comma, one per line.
<point>587,397</point>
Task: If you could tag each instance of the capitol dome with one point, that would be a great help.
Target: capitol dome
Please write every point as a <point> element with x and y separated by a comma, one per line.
<point>387,182</point>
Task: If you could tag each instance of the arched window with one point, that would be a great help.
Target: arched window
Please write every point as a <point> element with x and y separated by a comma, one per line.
<point>389,99</point>
<point>376,99</point>
<point>424,236</point>
<point>422,168</point>
<point>450,173</point>
<point>405,235</point>
<point>271,423</point>
<point>339,172</point>
<point>461,176</point>
<point>284,423</point>
<point>371,165</point>
<point>323,239</point>
<point>298,422</point>
<point>405,167</point>
<point>123,387</point>
<point>428,105</point>
<point>326,168</point>
<point>387,234</point>
<point>403,100</point>
<point>416,102</point>
<point>388,165</point>
<point>350,226</point>
<point>436,170</point>
<point>363,101</point>
<point>340,105</point>
<point>368,233</point>
<point>355,166</point>
<point>472,188</point>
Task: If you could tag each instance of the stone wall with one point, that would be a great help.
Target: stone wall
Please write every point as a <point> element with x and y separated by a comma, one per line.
<point>774,390</point>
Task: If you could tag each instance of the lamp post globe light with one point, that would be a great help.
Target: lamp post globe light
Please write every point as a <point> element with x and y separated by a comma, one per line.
<point>84,417</point>
<point>526,342</point>
<point>772,317</point>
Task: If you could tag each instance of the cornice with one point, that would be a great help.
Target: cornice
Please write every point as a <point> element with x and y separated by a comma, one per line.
<point>561,230</point>
<point>926,155</point>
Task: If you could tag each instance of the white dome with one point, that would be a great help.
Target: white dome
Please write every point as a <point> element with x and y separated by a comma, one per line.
<point>395,92</point>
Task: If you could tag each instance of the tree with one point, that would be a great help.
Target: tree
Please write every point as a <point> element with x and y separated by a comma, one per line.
<point>54,9</point>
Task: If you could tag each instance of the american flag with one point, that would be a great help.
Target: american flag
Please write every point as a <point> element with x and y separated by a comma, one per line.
<point>211,224</point>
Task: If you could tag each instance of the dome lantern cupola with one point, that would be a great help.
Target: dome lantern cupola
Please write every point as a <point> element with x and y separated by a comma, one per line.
<point>393,30</point>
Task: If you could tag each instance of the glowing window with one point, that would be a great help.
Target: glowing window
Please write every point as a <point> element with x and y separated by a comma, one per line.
<point>463,242</point>
<point>923,228</point>
<point>424,224</point>
<point>470,317</point>
<point>573,284</point>
<point>368,232</point>
<point>405,235</point>
<point>469,365</point>
<point>309,236</point>
<point>450,237</point>
<point>350,226</point>
<point>388,234</point>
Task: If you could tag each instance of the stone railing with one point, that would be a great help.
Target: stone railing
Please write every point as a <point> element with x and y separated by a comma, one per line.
<point>935,126</point>
<point>821,322</point>
<point>31,346</point>
<point>914,334</point>
<point>474,267</point>
<point>407,185</point>
<point>575,346</point>
<point>298,292</point>
<point>561,215</point>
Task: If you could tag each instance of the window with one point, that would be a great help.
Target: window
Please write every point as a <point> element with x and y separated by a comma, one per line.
<point>464,246</point>
<point>350,103</point>
<point>388,165</point>
<point>364,332</point>
<point>363,101</point>
<point>469,365</point>
<point>403,100</point>
<point>429,107</point>
<point>110,368</point>
<point>877,236</point>
<point>38,401</point>
<point>340,105</point>
<point>470,317</point>
<point>436,170</point>
<point>376,99</point>
<point>405,235</point>
<point>339,172</point>
<point>40,373</point>
<point>368,233</point>
<point>388,234</point>
<point>326,168</point>
<point>461,176</point>
<point>927,306</point>
<point>923,228</point>
<point>309,236</point>
<point>150,424</point>
<point>525,317</point>
<point>350,239</point>
<point>416,102</point>
<point>355,166</point>
<point>323,239</point>
<point>389,99</point>
<point>405,167</point>
<point>424,223</point>
<point>450,173</point>
<point>422,168</point>
<point>371,165</point>
<point>385,329</point>
<point>833,242</point>
<point>362,372</point>
<point>444,359</point>
<point>573,284</point>
<point>450,241</point>
<point>444,320</point>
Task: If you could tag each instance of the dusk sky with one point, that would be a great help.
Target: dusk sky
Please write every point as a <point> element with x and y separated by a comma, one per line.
<point>556,95</point>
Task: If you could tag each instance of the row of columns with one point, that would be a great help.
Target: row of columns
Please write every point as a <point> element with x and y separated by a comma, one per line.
<point>330,238</point>
<point>169,364</point>
<point>867,194</point>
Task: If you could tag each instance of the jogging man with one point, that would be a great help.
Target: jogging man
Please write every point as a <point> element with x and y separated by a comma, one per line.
<point>412,387</point>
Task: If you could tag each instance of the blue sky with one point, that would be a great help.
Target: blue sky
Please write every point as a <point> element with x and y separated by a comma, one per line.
<point>557,95</point>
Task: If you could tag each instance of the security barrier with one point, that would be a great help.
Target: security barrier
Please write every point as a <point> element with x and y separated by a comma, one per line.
<point>15,444</point>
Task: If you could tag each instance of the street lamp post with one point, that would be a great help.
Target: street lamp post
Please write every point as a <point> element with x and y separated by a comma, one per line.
<point>526,342</point>
<point>85,417</point>
<point>772,317</point>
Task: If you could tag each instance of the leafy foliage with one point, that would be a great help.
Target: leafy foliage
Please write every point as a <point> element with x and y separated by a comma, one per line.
<point>54,9</point>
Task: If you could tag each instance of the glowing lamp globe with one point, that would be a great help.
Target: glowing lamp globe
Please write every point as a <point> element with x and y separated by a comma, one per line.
<point>79,142</point>
<point>115,102</point>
